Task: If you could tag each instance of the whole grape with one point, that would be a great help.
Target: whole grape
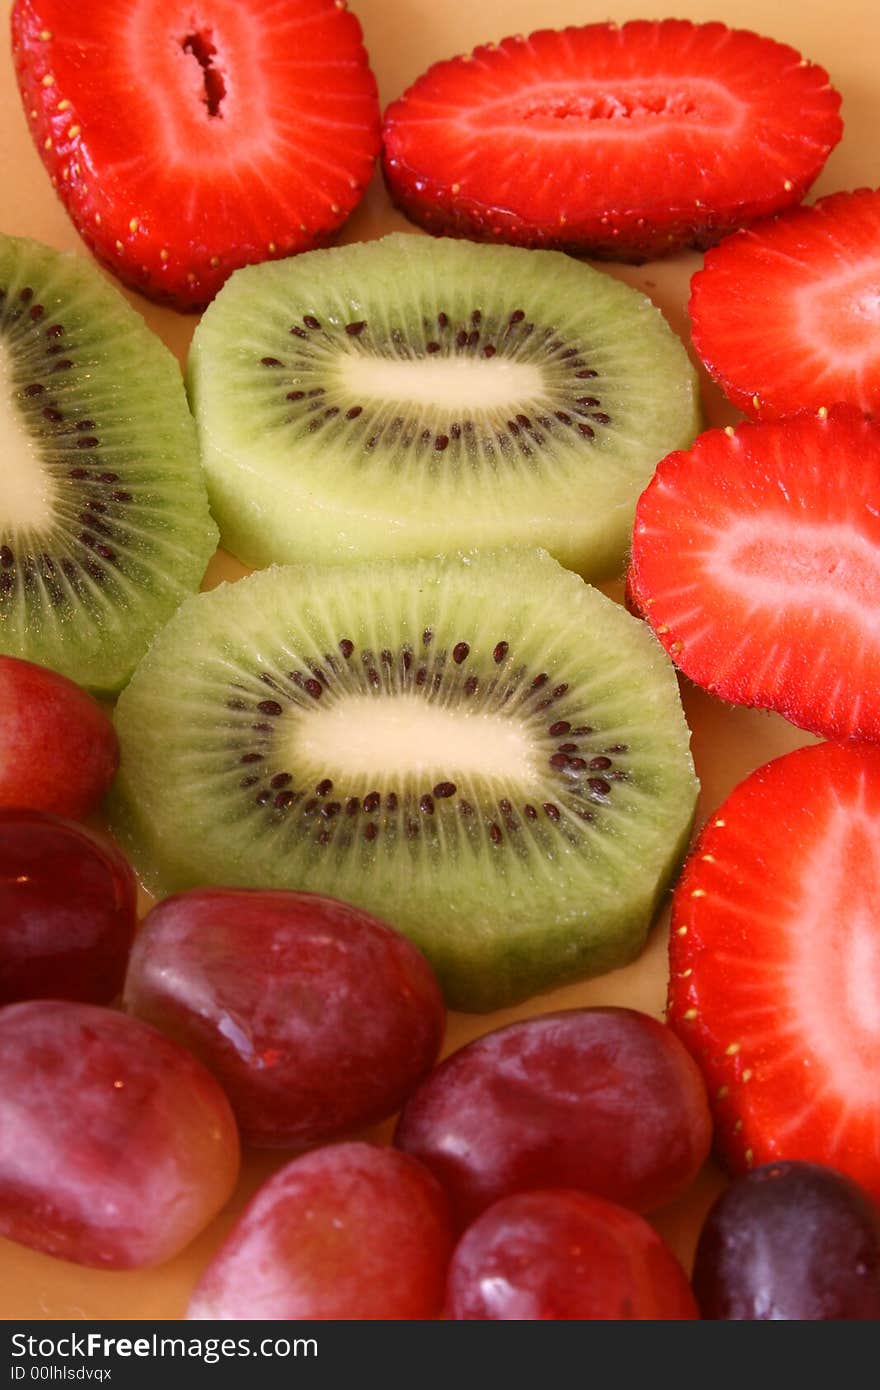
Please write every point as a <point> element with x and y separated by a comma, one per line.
<point>790,1241</point>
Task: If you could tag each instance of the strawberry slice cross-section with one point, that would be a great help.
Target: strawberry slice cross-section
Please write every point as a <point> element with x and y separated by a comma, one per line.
<point>787,315</point>
<point>756,560</point>
<point>187,140</point>
<point>775,962</point>
<point>625,141</point>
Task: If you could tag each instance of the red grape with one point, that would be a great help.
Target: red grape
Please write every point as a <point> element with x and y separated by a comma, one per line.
<point>790,1241</point>
<point>566,1256</point>
<point>314,1016</point>
<point>58,749</point>
<point>116,1146</point>
<point>349,1231</point>
<point>603,1100</point>
<point>68,911</point>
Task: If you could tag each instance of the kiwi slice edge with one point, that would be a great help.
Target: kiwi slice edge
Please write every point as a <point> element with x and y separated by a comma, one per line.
<point>309,460</point>
<point>105,524</point>
<point>519,889</point>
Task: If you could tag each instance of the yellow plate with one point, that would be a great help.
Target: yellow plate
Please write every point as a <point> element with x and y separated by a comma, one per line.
<point>404,37</point>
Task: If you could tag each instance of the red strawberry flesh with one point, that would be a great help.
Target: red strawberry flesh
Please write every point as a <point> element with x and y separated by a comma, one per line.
<point>627,142</point>
<point>187,142</point>
<point>775,962</point>
<point>756,559</point>
<point>787,315</point>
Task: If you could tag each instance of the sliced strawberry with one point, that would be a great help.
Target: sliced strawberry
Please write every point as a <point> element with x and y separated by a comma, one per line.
<point>787,315</point>
<point>756,560</point>
<point>628,142</point>
<point>775,962</point>
<point>188,140</point>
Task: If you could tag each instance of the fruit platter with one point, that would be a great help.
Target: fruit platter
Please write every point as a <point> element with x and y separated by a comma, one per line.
<point>467,512</point>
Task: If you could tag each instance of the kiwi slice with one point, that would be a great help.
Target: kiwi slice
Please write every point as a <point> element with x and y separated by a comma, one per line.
<point>417,395</point>
<point>104,522</point>
<point>480,749</point>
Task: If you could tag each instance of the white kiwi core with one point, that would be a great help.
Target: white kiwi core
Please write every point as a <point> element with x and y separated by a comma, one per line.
<point>385,738</point>
<point>460,384</point>
<point>26,491</point>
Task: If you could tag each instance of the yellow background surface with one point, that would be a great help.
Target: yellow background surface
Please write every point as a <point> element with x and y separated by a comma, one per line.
<point>403,37</point>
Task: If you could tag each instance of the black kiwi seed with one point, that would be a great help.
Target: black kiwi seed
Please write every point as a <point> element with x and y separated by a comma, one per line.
<point>96,409</point>
<point>474,833</point>
<point>414,811</point>
<point>440,437</point>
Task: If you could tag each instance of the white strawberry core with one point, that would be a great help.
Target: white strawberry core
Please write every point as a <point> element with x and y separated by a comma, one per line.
<point>835,931</point>
<point>26,492</point>
<point>844,313</point>
<point>382,739</point>
<point>773,565</point>
<point>457,384</point>
<point>706,106</point>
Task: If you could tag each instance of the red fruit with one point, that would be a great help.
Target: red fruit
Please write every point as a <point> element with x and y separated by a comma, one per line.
<point>787,315</point>
<point>349,1232</point>
<point>604,1100</point>
<point>628,142</point>
<point>58,749</point>
<point>790,1242</point>
<point>185,142</point>
<point>756,560</point>
<point>116,1146</point>
<point>314,1016</point>
<point>68,911</point>
<point>564,1256</point>
<point>775,962</point>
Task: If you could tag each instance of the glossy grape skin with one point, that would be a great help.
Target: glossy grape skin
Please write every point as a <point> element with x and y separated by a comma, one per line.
<point>790,1241</point>
<point>116,1146</point>
<point>604,1100</point>
<point>58,749</point>
<point>560,1255</point>
<point>68,911</point>
<point>349,1231</point>
<point>315,1017</point>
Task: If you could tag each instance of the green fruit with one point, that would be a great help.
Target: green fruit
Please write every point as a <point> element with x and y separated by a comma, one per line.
<point>104,523</point>
<point>480,749</point>
<point>416,395</point>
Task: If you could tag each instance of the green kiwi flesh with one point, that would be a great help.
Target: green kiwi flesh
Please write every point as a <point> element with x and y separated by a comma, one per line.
<point>104,522</point>
<point>480,749</point>
<point>417,395</point>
